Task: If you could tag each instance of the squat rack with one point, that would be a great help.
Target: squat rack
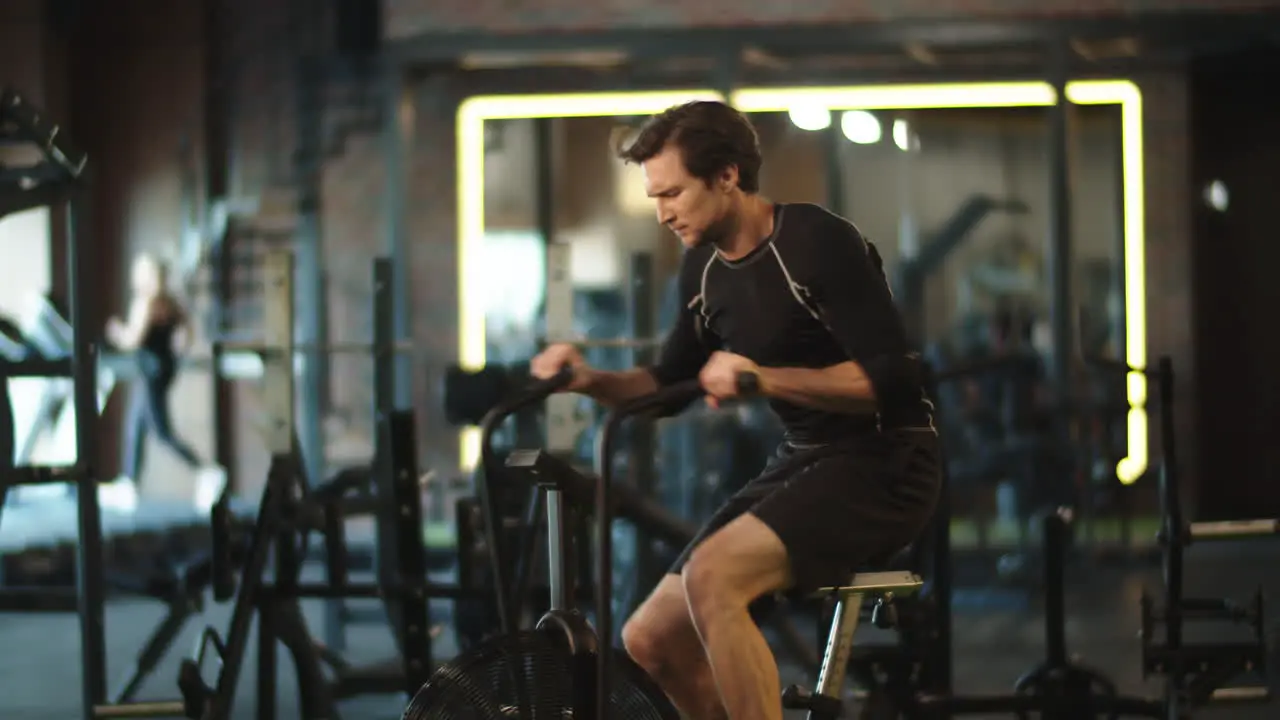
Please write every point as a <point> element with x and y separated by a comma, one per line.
<point>60,178</point>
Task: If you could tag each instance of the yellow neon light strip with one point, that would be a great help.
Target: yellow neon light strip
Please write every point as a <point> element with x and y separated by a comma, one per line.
<point>475,111</point>
<point>897,97</point>
<point>472,114</point>
<point>1127,95</point>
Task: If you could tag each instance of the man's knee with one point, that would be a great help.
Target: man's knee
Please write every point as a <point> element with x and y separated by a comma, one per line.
<point>660,631</point>
<point>643,643</point>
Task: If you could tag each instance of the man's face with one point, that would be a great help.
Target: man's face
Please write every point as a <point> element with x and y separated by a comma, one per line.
<point>697,212</point>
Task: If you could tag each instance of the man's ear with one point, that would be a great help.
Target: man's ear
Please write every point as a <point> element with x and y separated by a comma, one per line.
<point>728,178</point>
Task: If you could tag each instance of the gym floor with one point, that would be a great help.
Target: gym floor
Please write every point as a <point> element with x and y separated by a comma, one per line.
<point>41,676</point>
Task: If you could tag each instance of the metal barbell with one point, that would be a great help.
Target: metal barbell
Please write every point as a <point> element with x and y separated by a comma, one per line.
<point>608,342</point>
<point>341,348</point>
<point>405,347</point>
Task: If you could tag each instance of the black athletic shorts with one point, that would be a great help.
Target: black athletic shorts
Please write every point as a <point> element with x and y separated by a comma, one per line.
<point>839,507</point>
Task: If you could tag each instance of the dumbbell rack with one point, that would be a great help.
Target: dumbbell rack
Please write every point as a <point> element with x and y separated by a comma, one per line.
<point>1198,673</point>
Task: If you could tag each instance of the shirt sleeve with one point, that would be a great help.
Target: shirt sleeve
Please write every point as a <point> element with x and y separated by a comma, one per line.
<point>855,302</point>
<point>688,344</point>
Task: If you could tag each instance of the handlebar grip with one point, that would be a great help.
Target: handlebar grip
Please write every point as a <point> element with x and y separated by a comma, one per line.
<point>553,383</point>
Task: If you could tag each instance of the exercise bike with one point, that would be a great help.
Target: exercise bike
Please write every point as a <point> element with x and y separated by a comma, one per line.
<point>563,668</point>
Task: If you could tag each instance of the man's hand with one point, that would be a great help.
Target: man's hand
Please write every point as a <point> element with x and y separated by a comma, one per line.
<point>719,377</point>
<point>550,361</point>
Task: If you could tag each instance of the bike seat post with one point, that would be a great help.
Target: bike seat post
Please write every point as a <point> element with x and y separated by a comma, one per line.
<point>559,566</point>
<point>563,487</point>
<point>835,659</point>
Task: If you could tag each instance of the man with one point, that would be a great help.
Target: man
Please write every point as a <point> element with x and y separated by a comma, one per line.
<point>795,295</point>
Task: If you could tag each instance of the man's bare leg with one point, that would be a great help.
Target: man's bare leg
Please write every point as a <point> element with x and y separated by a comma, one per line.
<point>661,638</point>
<point>739,563</point>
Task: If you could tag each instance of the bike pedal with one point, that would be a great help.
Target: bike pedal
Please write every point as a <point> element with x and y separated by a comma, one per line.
<point>795,697</point>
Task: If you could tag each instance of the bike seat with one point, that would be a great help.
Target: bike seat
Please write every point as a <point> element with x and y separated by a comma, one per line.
<point>898,582</point>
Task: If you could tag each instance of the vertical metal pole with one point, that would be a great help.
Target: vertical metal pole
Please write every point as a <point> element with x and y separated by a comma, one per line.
<point>280,316</point>
<point>217,162</point>
<point>1059,253</point>
<point>563,424</point>
<point>324,366</point>
<point>644,444</point>
<point>834,148</point>
<point>1117,320</point>
<point>397,138</point>
<point>310,294</point>
<point>1055,608</point>
<point>384,399</point>
<point>544,187</point>
<point>910,285</point>
<point>84,373</point>
<point>544,180</point>
<point>387,520</point>
<point>278,394</point>
<point>409,584</point>
<point>309,282</point>
<point>1175,530</point>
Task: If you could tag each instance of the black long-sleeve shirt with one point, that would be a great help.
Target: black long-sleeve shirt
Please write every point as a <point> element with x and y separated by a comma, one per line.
<point>812,295</point>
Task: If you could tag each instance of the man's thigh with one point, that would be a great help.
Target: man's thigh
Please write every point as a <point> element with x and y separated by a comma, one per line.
<point>741,503</point>
<point>738,504</point>
<point>852,508</point>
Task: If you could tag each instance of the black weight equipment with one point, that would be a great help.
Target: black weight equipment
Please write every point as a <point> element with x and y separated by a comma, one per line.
<point>1197,673</point>
<point>553,670</point>
<point>470,394</point>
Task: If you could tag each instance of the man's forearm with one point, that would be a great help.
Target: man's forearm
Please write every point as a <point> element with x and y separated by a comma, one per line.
<point>614,388</point>
<point>843,388</point>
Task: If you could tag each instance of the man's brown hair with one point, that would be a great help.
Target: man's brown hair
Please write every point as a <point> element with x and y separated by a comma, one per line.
<point>711,136</point>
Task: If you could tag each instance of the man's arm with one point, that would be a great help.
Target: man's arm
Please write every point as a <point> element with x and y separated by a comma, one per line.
<point>683,353</point>
<point>681,357</point>
<point>611,388</point>
<point>843,388</point>
<point>847,282</point>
